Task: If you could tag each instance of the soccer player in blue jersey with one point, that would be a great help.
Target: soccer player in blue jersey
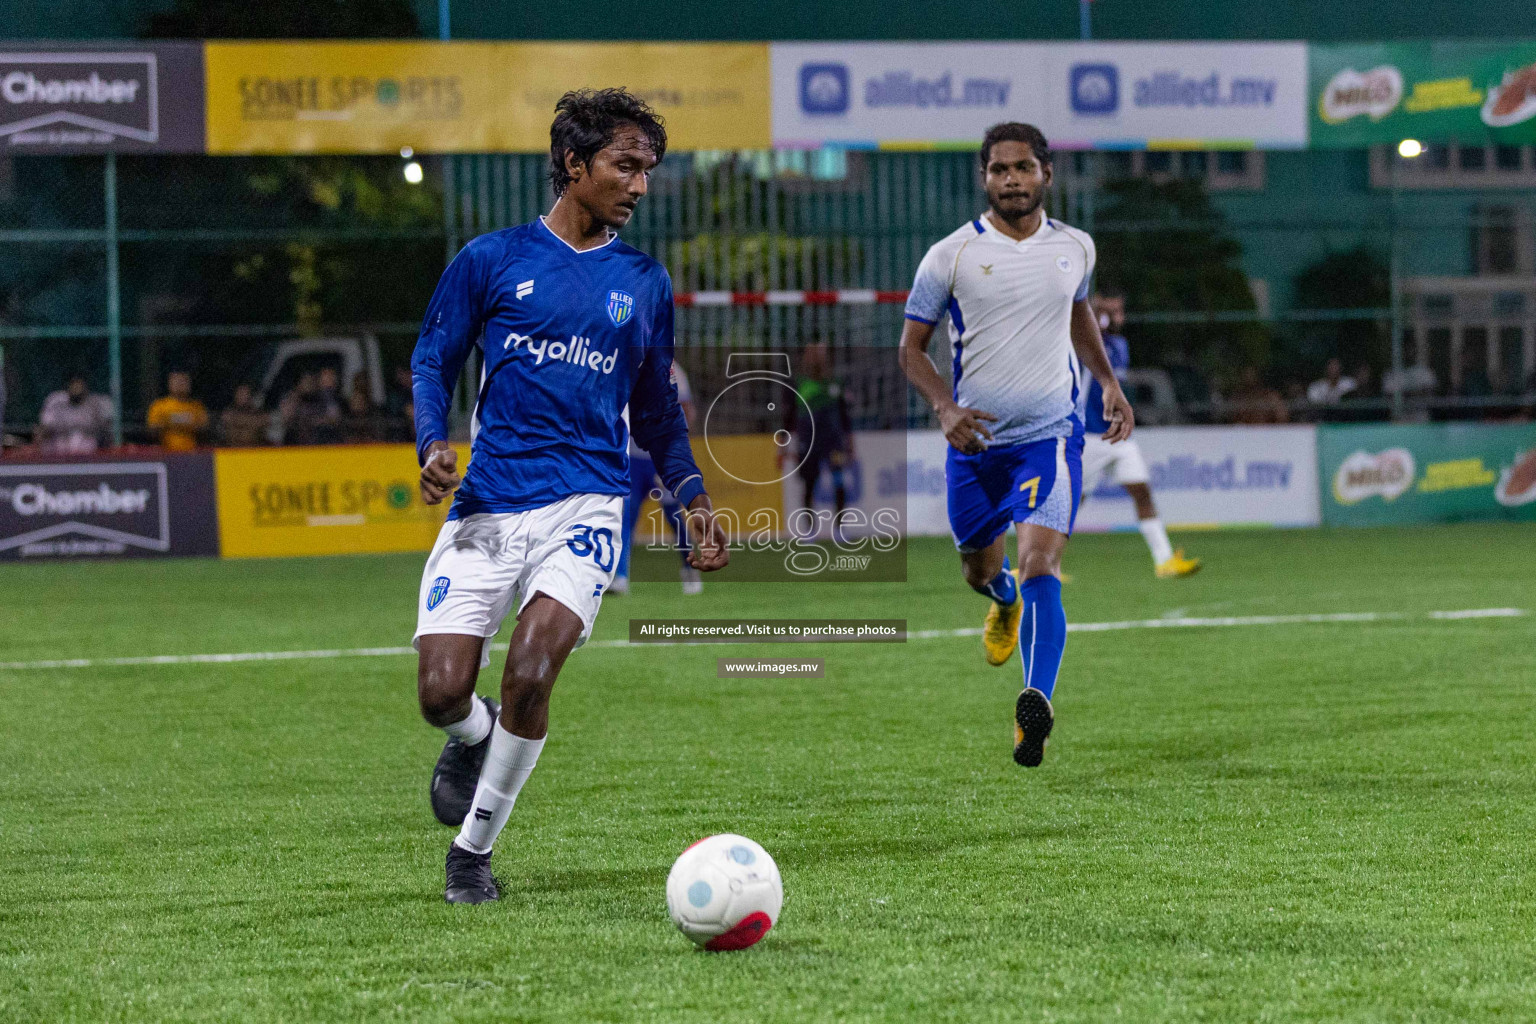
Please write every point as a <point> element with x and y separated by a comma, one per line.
<point>573,325</point>
<point>1123,463</point>
<point>1013,285</point>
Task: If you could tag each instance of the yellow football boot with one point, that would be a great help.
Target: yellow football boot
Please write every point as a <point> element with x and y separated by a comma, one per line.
<point>1177,566</point>
<point>1000,635</point>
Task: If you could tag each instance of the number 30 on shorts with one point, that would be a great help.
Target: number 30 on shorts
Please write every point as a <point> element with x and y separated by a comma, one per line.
<point>598,543</point>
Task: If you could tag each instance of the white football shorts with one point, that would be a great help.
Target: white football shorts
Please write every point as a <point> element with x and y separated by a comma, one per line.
<point>484,565</point>
<point>1120,463</point>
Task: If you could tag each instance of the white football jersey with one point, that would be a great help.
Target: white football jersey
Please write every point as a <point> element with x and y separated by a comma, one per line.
<point>1009,307</point>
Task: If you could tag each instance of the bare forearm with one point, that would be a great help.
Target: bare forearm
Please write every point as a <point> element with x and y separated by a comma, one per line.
<point>925,377</point>
<point>1088,343</point>
<point>918,367</point>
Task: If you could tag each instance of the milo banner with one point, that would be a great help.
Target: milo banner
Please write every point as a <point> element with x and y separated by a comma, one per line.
<point>1370,93</point>
<point>99,98</point>
<point>1429,473</point>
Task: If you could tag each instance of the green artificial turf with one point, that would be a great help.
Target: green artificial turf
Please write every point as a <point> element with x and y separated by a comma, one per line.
<point>1307,822</point>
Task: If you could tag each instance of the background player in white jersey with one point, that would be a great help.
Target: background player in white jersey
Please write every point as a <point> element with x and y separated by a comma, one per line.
<point>574,325</point>
<point>1013,285</point>
<point>1123,463</point>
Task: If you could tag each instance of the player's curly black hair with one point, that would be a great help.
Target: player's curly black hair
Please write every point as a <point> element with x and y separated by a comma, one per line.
<point>1015,131</point>
<point>586,121</point>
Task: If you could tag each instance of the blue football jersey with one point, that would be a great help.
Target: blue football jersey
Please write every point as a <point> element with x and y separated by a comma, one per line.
<point>1119,351</point>
<point>569,338</point>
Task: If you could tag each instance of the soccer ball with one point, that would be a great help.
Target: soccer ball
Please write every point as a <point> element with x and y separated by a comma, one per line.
<point>724,892</point>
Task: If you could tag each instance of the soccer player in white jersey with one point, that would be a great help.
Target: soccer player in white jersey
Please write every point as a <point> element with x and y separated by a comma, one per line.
<point>1013,286</point>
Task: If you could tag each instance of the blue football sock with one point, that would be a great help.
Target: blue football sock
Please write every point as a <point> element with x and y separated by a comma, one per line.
<point>1042,633</point>
<point>1003,588</point>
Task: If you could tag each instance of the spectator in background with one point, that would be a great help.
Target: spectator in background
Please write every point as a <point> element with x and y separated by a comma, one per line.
<point>296,410</point>
<point>410,421</point>
<point>1414,379</point>
<point>243,424</point>
<point>1255,402</point>
<point>74,421</point>
<point>1417,383</point>
<point>400,407</point>
<point>362,423</point>
<point>1333,386</point>
<point>328,428</point>
<point>400,393</point>
<point>310,414</point>
<point>1362,382</point>
<point>1363,403</point>
<point>177,419</point>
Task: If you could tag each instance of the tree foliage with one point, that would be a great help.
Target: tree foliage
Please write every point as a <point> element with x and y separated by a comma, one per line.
<point>285,19</point>
<point>1167,247</point>
<point>1353,279</point>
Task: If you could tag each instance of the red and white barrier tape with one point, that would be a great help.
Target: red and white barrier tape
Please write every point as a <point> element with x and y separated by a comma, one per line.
<point>846,297</point>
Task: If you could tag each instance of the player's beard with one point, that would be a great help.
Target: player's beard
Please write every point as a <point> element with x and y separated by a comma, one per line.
<point>1015,210</point>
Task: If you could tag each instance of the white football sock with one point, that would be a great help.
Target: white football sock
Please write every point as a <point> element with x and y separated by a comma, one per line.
<point>1157,539</point>
<point>476,727</point>
<point>507,766</point>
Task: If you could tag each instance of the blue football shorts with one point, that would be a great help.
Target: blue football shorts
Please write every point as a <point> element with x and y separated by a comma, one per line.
<point>1039,482</point>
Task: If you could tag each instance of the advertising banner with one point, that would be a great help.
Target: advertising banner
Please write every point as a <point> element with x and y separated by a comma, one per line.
<point>1371,93</point>
<point>902,95</point>
<point>108,509</point>
<point>1216,476</point>
<point>85,98</point>
<point>927,502</point>
<point>345,499</point>
<point>1427,473</point>
<point>357,97</point>
<point>1201,477</point>
<point>1177,96</point>
<point>1082,95</point>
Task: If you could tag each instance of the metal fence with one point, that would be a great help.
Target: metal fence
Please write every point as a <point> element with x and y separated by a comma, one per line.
<point>1241,285</point>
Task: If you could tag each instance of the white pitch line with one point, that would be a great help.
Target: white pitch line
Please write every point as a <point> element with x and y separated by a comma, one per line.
<point>1480,613</point>
<point>212,659</point>
<point>1235,620</point>
<point>916,634</point>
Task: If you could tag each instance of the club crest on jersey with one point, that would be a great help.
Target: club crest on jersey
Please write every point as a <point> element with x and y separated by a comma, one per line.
<point>621,306</point>
<point>438,592</point>
<point>1064,264</point>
